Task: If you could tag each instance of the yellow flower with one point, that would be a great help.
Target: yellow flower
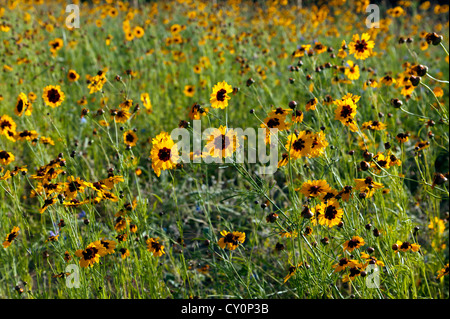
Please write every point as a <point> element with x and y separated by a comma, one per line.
<point>329,213</point>
<point>361,48</point>
<point>352,72</point>
<point>91,254</point>
<point>222,142</point>
<point>231,240</point>
<point>164,153</point>
<point>299,145</point>
<point>11,236</point>
<point>354,243</point>
<point>443,272</point>
<point>315,188</point>
<point>189,90</point>
<point>23,105</point>
<point>145,98</point>
<point>53,96</point>
<point>219,97</point>
<point>73,76</point>
<point>155,247</point>
<point>6,157</point>
<point>130,138</point>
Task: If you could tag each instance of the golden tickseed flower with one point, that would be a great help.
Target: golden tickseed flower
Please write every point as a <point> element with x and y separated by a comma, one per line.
<point>120,223</point>
<point>222,142</point>
<point>124,253</point>
<point>6,157</point>
<point>346,193</point>
<point>329,213</point>
<point>155,247</point>
<point>7,124</point>
<point>354,243</point>
<point>130,138</point>
<point>67,256</point>
<point>219,97</point>
<point>405,246</point>
<point>26,135</point>
<point>362,47</point>
<point>138,32</point>
<point>297,116</point>
<point>91,254</point>
<point>352,72</point>
<point>319,48</point>
<point>380,161</point>
<point>96,83</point>
<point>387,80</point>
<point>373,125</point>
<point>231,240</point>
<point>367,185</point>
<point>275,121</point>
<point>164,153</point>
<point>371,260</point>
<point>108,245</point>
<point>443,272</point>
<point>53,96</point>
<point>73,76</point>
<point>315,188</point>
<point>11,236</point>
<point>402,137</point>
<point>23,106</point>
<point>299,145</point>
<point>396,12</point>
<point>311,105</point>
<point>421,145</point>
<point>189,90</point>
<point>56,45</point>
<point>354,272</point>
<point>120,115</point>
<point>291,272</point>
<point>344,263</point>
<point>196,111</point>
<point>145,98</point>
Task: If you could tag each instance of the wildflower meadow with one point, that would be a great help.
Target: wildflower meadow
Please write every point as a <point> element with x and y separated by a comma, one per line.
<point>233,149</point>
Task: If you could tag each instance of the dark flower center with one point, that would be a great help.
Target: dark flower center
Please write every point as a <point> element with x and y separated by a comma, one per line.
<point>164,154</point>
<point>20,106</point>
<point>89,253</point>
<point>105,244</point>
<point>4,155</point>
<point>129,138</point>
<point>346,111</point>
<point>343,261</point>
<point>273,122</point>
<point>330,212</point>
<point>353,243</point>
<point>53,96</point>
<point>361,46</point>
<point>221,142</point>
<point>314,189</point>
<point>368,180</point>
<point>299,145</point>
<point>4,124</point>
<point>156,246</point>
<point>221,95</point>
<point>279,111</point>
<point>382,163</point>
<point>354,272</point>
<point>74,186</point>
<point>405,245</point>
<point>12,236</point>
